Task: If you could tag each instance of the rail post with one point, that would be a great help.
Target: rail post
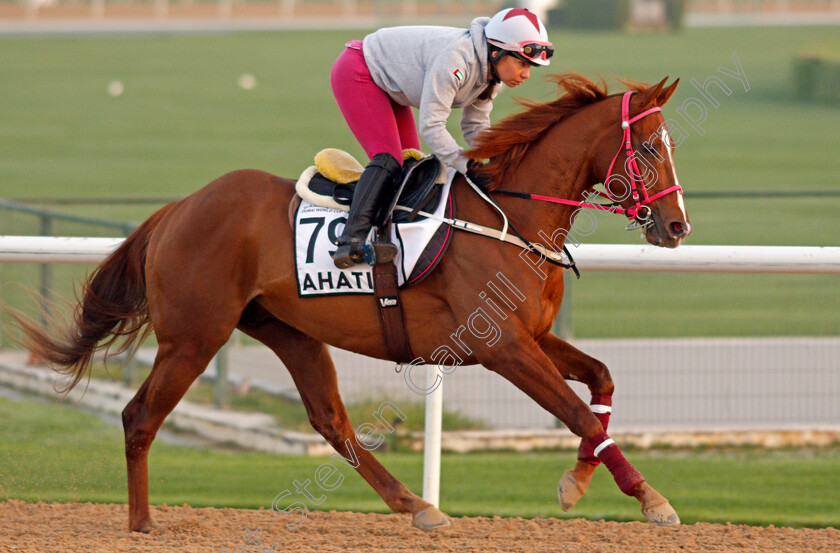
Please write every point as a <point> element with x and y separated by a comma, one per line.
<point>563,327</point>
<point>45,229</point>
<point>221,382</point>
<point>432,437</point>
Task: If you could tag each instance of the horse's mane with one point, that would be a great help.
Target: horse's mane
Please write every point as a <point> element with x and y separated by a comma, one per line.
<point>507,142</point>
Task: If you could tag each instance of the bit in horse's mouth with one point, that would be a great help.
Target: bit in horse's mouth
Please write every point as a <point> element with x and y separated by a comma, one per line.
<point>654,236</point>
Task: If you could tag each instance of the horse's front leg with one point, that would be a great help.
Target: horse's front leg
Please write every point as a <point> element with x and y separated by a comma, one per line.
<point>573,364</point>
<point>525,364</point>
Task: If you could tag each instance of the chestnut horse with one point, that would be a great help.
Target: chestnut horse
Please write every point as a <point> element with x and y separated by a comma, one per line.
<point>223,258</point>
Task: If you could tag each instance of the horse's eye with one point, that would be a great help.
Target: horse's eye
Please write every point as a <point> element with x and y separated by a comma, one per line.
<point>648,149</point>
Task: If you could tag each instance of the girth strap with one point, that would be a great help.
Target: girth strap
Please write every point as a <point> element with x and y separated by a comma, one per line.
<point>391,317</point>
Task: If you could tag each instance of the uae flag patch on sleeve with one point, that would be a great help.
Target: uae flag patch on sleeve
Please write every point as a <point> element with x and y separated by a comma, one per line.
<point>458,75</point>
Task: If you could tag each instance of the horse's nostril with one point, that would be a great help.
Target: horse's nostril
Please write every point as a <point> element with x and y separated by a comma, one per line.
<point>678,229</point>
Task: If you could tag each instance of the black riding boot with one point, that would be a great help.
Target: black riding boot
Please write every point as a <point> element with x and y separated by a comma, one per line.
<point>375,186</point>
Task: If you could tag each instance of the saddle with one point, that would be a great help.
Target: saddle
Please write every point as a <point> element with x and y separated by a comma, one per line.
<point>332,181</point>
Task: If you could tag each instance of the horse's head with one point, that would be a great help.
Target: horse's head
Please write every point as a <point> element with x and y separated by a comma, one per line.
<point>640,176</point>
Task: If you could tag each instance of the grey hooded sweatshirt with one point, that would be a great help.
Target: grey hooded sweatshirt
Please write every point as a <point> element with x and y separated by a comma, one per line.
<point>435,69</point>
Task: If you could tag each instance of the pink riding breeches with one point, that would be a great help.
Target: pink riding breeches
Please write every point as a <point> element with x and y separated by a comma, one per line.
<point>378,123</point>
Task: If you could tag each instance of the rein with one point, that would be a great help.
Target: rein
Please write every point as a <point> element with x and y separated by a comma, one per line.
<point>640,212</point>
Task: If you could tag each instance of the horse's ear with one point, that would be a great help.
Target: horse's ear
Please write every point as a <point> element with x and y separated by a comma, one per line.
<point>665,95</point>
<point>651,95</point>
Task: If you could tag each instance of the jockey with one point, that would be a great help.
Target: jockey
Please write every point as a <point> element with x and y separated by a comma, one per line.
<point>377,81</point>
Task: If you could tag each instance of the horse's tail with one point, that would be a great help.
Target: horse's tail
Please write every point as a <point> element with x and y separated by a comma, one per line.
<point>113,306</point>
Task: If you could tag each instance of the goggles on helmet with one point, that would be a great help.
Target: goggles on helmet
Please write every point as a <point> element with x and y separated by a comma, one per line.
<point>531,50</point>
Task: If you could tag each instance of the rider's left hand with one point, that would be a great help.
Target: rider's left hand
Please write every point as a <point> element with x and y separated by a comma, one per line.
<point>477,176</point>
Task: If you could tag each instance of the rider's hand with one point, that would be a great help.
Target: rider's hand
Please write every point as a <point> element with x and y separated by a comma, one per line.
<point>475,174</point>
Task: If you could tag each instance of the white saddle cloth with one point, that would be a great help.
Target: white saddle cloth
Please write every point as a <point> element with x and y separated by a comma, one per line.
<point>317,228</point>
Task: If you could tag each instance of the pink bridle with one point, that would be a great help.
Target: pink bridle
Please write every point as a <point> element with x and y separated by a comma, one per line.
<point>638,189</point>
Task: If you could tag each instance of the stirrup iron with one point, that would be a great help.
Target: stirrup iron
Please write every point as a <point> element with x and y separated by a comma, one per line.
<point>378,252</point>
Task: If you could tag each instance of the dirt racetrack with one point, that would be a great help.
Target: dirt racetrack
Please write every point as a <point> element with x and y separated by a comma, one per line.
<point>89,528</point>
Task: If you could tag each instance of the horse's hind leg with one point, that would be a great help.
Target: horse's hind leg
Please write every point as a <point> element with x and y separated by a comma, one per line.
<point>174,371</point>
<point>313,371</point>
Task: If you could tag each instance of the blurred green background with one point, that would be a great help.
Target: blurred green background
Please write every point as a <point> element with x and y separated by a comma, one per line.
<point>183,120</point>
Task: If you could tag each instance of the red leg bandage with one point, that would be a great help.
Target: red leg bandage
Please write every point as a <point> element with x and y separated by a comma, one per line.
<point>601,406</point>
<point>625,474</point>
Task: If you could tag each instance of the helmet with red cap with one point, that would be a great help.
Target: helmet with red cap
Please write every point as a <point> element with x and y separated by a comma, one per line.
<point>518,32</point>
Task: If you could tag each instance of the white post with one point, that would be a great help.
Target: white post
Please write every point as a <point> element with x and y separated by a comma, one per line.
<point>97,9</point>
<point>220,361</point>
<point>432,437</point>
<point>161,9</point>
<point>225,9</point>
<point>32,9</point>
<point>287,8</point>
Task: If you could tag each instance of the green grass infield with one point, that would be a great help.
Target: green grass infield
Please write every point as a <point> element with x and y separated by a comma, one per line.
<point>50,452</point>
<point>179,117</point>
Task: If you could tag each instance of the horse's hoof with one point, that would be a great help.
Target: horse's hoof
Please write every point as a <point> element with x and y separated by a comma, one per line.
<point>661,515</point>
<point>655,507</point>
<point>144,526</point>
<point>570,490</point>
<point>429,519</point>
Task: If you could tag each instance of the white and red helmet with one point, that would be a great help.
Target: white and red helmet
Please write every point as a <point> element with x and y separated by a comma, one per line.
<point>521,33</point>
